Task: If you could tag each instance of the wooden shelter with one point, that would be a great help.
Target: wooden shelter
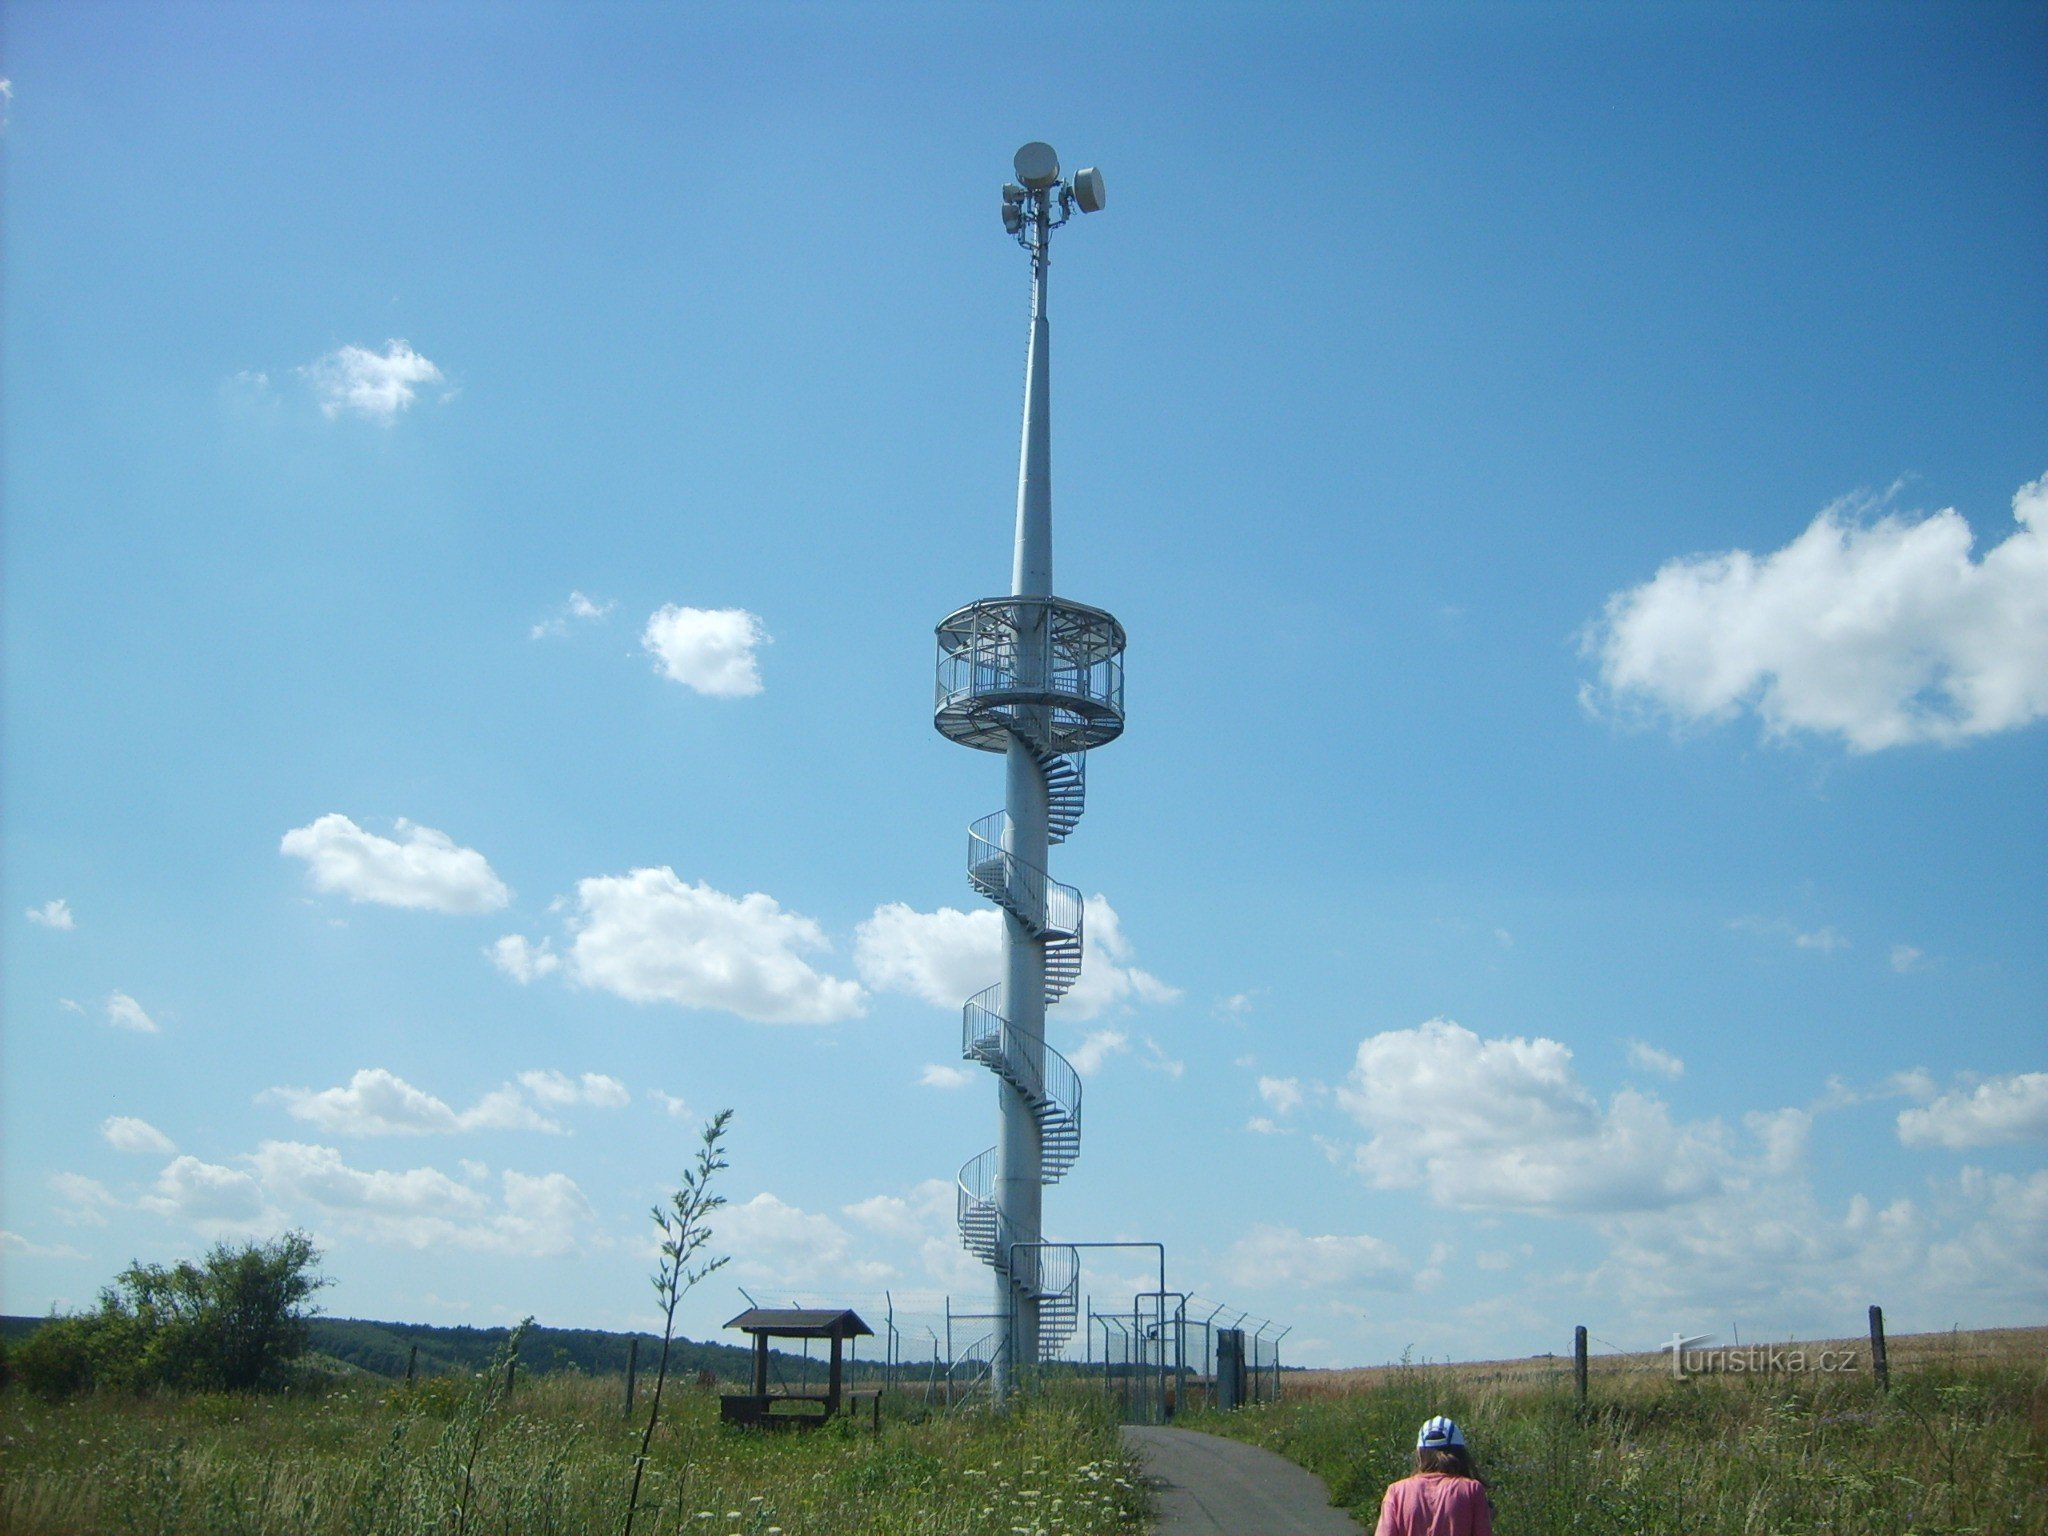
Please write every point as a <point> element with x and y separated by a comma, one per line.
<point>765,1323</point>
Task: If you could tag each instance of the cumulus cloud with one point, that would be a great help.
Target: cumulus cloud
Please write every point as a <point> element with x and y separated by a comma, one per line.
<point>708,649</point>
<point>1766,1246</point>
<point>55,913</point>
<point>1271,1256</point>
<point>1647,1058</point>
<point>1997,1112</point>
<point>771,1239</point>
<point>1506,1124</point>
<point>1881,630</point>
<point>376,1102</point>
<point>592,1090</point>
<point>82,1202</point>
<point>123,1012</point>
<point>1091,1053</point>
<point>124,1133</point>
<point>1282,1094</point>
<point>944,957</point>
<point>649,937</point>
<point>579,609</point>
<point>287,1182</point>
<point>14,1242</point>
<point>935,1075</point>
<point>377,385</point>
<point>210,1197</point>
<point>425,870</point>
<point>1906,959</point>
<point>521,960</point>
<point>947,956</point>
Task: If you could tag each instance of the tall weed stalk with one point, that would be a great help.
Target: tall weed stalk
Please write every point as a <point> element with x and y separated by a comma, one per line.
<point>684,1233</point>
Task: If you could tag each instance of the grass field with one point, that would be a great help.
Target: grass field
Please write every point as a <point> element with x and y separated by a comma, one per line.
<point>1960,1443</point>
<point>363,1457</point>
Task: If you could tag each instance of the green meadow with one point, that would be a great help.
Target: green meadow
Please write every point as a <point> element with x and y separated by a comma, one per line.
<point>1958,1445</point>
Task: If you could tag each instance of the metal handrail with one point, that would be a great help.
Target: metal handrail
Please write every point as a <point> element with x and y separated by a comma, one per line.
<point>1042,1074</point>
<point>1039,901</point>
<point>1042,650</point>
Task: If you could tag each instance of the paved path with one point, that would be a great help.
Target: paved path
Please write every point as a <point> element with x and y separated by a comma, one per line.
<point>1209,1486</point>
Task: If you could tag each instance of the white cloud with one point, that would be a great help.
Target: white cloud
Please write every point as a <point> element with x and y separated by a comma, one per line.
<point>85,1202</point>
<point>209,1196</point>
<point>946,956</point>
<point>675,1108</point>
<point>1271,1256</point>
<point>708,649</point>
<point>426,870</point>
<point>1157,1060</point>
<point>124,1133</point>
<point>771,1240</point>
<point>1997,1112</point>
<point>379,1103</point>
<point>936,1076</point>
<point>921,1221</point>
<point>14,1242</point>
<point>377,385</point>
<point>1088,1057</point>
<point>521,960</point>
<point>70,1005</point>
<point>648,937</point>
<point>1827,941</point>
<point>1109,978</point>
<point>1766,1247</point>
<point>592,1090</point>
<point>1506,1125</point>
<point>536,1215</point>
<point>1905,958</point>
<point>579,608</point>
<point>1261,1125</point>
<point>1880,630</point>
<point>123,1012</point>
<point>1647,1058</point>
<point>55,913</point>
<point>1282,1094</point>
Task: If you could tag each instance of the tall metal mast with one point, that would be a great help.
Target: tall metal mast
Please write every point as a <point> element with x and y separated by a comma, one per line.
<point>1040,680</point>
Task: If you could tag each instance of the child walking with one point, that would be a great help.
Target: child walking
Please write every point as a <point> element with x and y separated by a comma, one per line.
<point>1444,1497</point>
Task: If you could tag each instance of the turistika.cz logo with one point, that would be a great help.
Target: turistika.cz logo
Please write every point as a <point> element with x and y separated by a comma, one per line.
<point>1689,1357</point>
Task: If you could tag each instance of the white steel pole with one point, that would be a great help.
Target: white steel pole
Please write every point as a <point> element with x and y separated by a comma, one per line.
<point>1019,1159</point>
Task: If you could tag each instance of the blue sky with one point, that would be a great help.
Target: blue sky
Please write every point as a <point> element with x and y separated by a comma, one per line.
<point>480,481</point>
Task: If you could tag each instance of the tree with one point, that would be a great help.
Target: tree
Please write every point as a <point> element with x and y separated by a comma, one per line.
<point>233,1322</point>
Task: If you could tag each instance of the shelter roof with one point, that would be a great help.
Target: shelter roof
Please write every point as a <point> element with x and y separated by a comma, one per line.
<point>801,1323</point>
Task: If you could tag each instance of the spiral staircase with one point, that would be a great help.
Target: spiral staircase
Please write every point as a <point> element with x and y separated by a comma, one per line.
<point>1048,674</point>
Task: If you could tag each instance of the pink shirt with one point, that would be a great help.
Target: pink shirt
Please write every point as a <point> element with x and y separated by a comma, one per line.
<point>1436,1504</point>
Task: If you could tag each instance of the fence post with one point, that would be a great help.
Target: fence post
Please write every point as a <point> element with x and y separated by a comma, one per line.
<point>1878,1363</point>
<point>1579,1364</point>
<point>632,1370</point>
<point>412,1362</point>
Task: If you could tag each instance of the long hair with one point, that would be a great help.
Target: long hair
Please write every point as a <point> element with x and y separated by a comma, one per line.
<point>1452,1459</point>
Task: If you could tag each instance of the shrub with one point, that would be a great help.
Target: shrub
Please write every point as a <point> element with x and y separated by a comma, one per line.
<point>234,1322</point>
<point>56,1360</point>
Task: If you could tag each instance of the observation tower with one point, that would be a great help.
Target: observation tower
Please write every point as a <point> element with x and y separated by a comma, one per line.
<point>1040,680</point>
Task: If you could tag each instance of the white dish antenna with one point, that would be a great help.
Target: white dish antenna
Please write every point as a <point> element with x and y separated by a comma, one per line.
<point>1037,166</point>
<point>1088,193</point>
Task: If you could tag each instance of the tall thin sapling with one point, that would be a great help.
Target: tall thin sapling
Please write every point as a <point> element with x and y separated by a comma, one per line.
<point>683,1236</point>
